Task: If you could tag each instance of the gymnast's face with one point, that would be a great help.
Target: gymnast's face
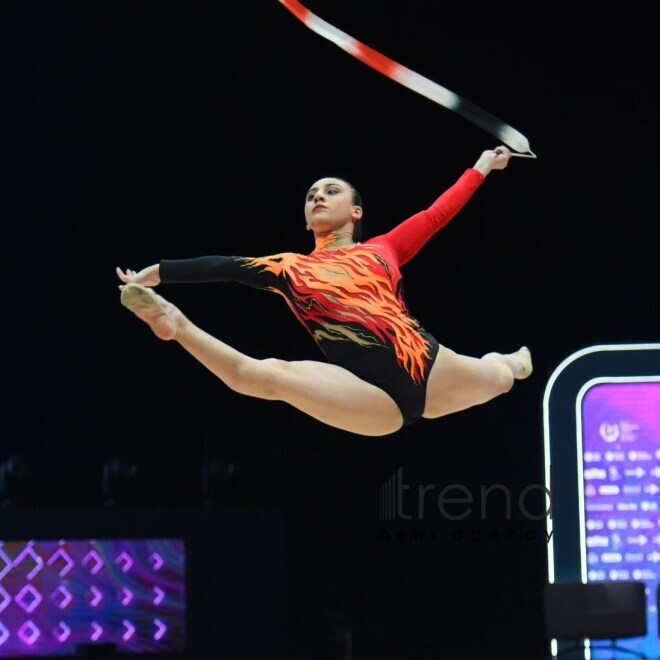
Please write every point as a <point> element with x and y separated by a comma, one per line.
<point>329,206</point>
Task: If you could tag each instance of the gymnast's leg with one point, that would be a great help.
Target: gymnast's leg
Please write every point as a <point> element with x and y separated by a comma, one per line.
<point>324,391</point>
<point>457,382</point>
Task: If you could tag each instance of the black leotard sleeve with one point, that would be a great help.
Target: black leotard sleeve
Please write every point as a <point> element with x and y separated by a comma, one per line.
<point>218,269</point>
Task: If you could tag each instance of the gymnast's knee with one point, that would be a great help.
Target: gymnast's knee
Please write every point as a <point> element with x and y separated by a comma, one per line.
<point>503,375</point>
<point>262,378</point>
<point>505,380</point>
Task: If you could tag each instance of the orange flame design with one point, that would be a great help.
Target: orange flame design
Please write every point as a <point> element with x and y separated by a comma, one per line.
<point>356,287</point>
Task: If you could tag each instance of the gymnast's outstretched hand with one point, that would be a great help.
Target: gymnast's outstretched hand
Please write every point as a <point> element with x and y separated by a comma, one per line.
<point>149,276</point>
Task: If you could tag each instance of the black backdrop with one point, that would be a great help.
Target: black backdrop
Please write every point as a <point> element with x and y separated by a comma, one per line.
<point>133,131</point>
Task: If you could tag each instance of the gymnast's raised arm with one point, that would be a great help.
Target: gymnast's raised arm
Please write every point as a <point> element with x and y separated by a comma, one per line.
<point>409,236</point>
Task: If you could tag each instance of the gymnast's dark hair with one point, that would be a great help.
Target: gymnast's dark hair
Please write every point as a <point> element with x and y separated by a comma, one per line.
<point>357,227</point>
<point>357,201</point>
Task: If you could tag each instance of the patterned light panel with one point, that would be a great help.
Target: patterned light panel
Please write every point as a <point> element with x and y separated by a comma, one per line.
<point>55,595</point>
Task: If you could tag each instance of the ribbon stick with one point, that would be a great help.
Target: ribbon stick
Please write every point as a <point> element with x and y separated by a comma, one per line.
<point>412,80</point>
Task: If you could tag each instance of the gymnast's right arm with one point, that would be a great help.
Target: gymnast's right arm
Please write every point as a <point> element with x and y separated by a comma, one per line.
<point>214,268</point>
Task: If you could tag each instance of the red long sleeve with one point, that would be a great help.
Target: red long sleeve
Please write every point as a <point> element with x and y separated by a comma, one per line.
<point>407,238</point>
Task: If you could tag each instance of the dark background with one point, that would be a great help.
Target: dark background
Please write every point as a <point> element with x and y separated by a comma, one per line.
<point>134,131</point>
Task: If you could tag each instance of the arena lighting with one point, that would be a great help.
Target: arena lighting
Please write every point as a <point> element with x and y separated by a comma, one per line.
<point>601,419</point>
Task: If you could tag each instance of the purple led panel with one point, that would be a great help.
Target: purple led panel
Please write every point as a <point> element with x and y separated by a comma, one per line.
<point>55,595</point>
<point>621,452</point>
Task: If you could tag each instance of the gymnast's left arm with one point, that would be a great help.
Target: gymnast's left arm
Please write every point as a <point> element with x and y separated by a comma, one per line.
<point>407,238</point>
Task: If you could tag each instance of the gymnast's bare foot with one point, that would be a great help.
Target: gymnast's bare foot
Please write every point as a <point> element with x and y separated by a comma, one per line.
<point>525,356</point>
<point>161,316</point>
<point>520,362</point>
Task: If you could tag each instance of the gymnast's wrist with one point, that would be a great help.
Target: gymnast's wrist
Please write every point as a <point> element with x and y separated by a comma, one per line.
<point>484,165</point>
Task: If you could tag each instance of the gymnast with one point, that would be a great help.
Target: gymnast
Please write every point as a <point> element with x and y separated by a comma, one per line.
<point>382,369</point>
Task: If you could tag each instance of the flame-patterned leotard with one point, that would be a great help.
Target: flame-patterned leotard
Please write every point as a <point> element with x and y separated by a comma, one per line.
<point>351,299</point>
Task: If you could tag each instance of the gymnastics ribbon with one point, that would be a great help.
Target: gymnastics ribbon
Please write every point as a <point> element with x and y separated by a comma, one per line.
<point>412,80</point>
